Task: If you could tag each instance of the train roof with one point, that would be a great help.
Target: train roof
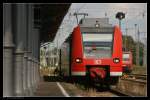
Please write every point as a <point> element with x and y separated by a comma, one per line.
<point>91,22</point>
<point>127,52</point>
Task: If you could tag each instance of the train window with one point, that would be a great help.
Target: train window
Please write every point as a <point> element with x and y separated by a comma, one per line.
<point>97,37</point>
<point>102,44</point>
<point>125,57</point>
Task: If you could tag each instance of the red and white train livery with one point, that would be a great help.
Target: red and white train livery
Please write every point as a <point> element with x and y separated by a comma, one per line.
<point>94,48</point>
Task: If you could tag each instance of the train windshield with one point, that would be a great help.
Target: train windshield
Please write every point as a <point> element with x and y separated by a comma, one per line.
<point>97,45</point>
<point>125,57</point>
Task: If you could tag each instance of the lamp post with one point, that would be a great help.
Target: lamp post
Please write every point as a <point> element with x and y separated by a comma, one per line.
<point>120,16</point>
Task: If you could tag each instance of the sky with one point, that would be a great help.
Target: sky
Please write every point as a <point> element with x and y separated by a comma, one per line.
<point>135,13</point>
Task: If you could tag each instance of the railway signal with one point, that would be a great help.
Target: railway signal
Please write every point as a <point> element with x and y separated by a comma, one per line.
<point>120,16</point>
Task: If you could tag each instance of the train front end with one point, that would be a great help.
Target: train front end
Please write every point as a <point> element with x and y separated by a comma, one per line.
<point>127,62</point>
<point>96,50</point>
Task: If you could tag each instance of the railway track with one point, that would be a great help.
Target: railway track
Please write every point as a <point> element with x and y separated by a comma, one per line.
<point>101,91</point>
<point>119,92</point>
<point>133,85</point>
<point>135,77</point>
<point>127,87</point>
<point>92,91</point>
<point>138,76</point>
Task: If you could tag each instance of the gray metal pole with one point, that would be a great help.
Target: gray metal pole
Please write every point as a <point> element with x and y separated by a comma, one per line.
<point>137,53</point>
<point>7,51</point>
<point>136,45</point>
<point>126,39</point>
<point>120,23</point>
<point>145,53</point>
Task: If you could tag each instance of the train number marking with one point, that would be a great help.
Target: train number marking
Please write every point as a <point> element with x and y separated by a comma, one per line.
<point>98,61</point>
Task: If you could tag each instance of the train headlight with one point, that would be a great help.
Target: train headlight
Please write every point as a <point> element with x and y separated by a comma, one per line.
<point>78,60</point>
<point>96,25</point>
<point>116,60</point>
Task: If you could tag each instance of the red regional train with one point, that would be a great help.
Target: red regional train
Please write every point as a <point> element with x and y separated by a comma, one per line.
<point>94,49</point>
<point>127,62</point>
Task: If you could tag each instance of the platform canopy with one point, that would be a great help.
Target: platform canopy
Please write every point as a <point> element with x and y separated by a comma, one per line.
<point>48,17</point>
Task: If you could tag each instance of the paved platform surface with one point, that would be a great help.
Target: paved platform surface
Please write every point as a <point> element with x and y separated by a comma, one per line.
<point>48,89</point>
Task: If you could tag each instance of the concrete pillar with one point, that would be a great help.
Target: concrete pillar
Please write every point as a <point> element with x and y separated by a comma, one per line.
<point>33,37</point>
<point>29,44</point>
<point>145,53</point>
<point>33,50</point>
<point>33,58</point>
<point>29,75</point>
<point>39,78</point>
<point>18,73</point>
<point>35,63</point>
<point>36,53</point>
<point>25,57</point>
<point>38,56</point>
<point>32,74</point>
<point>7,51</point>
<point>35,74</point>
<point>34,71</point>
<point>35,83</point>
<point>20,63</point>
<point>25,74</point>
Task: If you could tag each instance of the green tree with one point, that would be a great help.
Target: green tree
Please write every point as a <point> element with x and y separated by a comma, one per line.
<point>131,46</point>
